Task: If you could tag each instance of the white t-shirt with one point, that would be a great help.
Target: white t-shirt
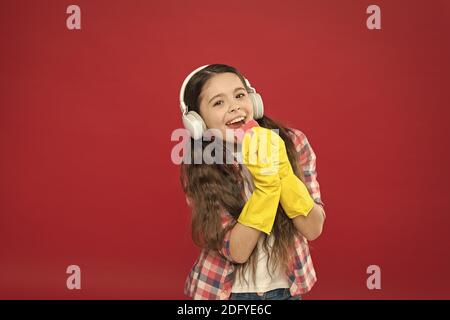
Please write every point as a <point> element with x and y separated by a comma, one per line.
<point>264,282</point>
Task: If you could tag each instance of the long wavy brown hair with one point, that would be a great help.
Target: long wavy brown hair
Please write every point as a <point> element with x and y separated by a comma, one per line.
<point>214,187</point>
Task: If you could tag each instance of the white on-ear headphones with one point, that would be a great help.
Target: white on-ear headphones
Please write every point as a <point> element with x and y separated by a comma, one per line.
<point>194,123</point>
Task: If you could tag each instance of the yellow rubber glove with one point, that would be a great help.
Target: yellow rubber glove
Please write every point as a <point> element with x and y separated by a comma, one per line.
<point>295,198</point>
<point>260,156</point>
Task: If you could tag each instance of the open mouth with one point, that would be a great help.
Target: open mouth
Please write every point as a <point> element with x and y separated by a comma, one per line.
<point>236,123</point>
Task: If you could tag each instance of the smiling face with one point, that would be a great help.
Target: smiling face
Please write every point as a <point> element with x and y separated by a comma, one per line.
<point>225,104</point>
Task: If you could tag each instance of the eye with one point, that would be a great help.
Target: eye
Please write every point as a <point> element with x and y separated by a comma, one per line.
<point>216,103</point>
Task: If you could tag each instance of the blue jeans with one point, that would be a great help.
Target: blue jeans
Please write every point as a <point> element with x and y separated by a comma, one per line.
<point>277,294</point>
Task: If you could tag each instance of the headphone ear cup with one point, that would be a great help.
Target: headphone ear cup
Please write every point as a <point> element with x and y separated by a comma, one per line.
<point>258,106</point>
<point>194,124</point>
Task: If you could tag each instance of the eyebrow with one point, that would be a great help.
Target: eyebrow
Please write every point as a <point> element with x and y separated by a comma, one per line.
<point>221,94</point>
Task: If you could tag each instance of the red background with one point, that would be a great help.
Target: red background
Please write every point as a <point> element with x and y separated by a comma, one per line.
<point>86,118</point>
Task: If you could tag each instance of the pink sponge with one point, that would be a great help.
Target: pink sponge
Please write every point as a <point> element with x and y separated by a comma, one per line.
<point>239,133</point>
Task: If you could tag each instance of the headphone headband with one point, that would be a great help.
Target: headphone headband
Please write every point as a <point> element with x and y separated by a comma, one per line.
<point>183,106</point>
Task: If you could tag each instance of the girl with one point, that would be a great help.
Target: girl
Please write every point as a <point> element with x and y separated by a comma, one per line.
<point>253,228</point>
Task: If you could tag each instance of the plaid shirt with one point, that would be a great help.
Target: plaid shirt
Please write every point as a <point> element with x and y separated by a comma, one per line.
<point>212,274</point>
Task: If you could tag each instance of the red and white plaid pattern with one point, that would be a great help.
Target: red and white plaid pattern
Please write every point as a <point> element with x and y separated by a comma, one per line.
<point>212,275</point>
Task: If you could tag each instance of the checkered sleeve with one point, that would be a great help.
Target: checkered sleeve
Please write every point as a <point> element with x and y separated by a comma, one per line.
<point>307,159</point>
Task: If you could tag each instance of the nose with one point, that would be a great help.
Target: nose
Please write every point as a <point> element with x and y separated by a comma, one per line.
<point>234,108</point>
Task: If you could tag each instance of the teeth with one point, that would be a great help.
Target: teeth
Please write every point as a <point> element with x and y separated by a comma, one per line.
<point>236,120</point>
